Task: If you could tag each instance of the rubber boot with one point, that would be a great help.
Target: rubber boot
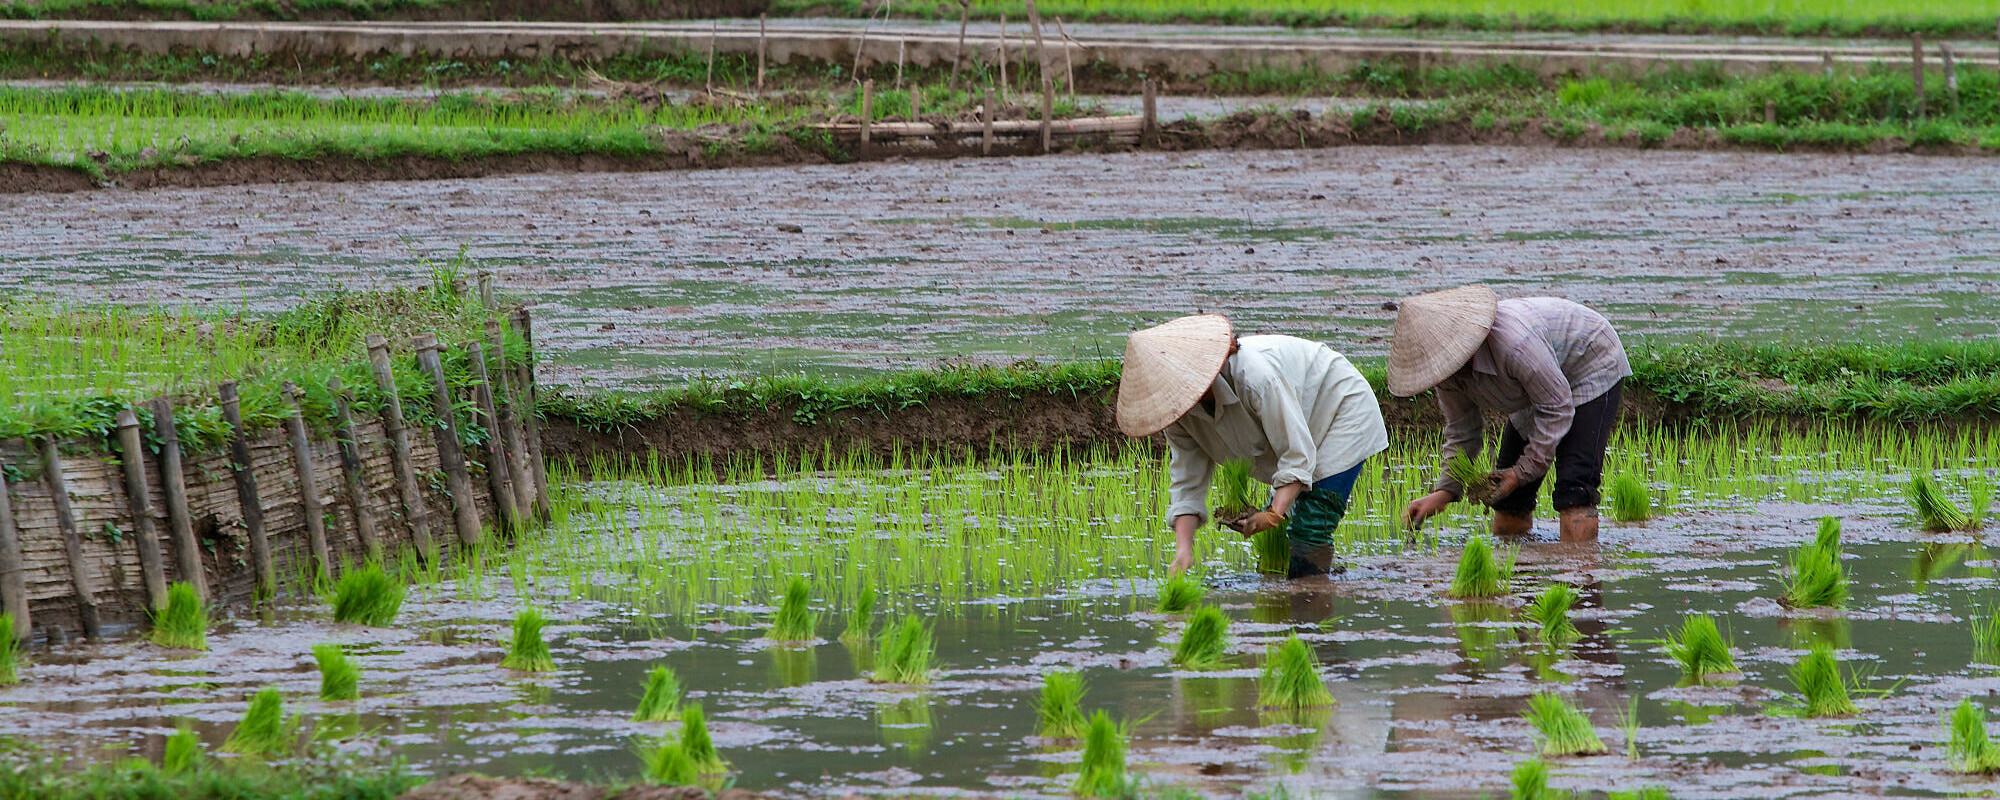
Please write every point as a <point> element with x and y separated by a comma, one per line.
<point>1508,525</point>
<point>1579,524</point>
<point>1312,560</point>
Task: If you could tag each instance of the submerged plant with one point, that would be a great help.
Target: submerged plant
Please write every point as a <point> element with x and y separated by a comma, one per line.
<point>1475,478</point>
<point>182,754</point>
<point>184,622</point>
<point>1550,612</point>
<point>1822,692</point>
<point>367,596</point>
<point>1290,678</point>
<point>1178,593</point>
<point>1563,728</point>
<point>662,699</point>
<point>1934,511</point>
<point>1818,579</point>
<point>1701,649</point>
<point>1060,708</point>
<point>1630,500</point>
<point>339,679</point>
<point>795,619</point>
<point>1103,766</point>
<point>528,652</point>
<point>10,652</point>
<point>264,730</point>
<point>695,742</point>
<point>861,617</point>
<point>1480,573</point>
<point>1203,640</point>
<point>905,654</point>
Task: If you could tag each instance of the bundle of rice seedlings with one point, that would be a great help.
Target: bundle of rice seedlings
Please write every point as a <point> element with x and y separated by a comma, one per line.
<point>10,652</point>
<point>1476,478</point>
<point>1978,502</point>
<point>528,652</point>
<point>264,730</point>
<point>1827,537</point>
<point>1479,573</point>
<point>860,618</point>
<point>1103,765</point>
<point>795,619</point>
<point>905,653</point>
<point>666,763</point>
<point>1235,490</point>
<point>1934,511</point>
<point>662,699</point>
<point>1290,678</point>
<point>1563,728</point>
<point>1060,708</point>
<point>1530,781</point>
<point>1179,593</point>
<point>367,596</point>
<point>183,753</point>
<point>695,742</point>
<point>339,679</point>
<point>1550,611</point>
<point>1701,649</point>
<point>1630,500</point>
<point>1966,743</point>
<point>1641,793</point>
<point>1818,578</point>
<point>1822,692</point>
<point>1274,551</point>
<point>184,622</point>
<point>1985,636</point>
<point>1203,640</point>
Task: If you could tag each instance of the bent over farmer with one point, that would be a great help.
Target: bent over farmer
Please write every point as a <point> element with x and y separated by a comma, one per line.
<point>1296,411</point>
<point>1553,367</point>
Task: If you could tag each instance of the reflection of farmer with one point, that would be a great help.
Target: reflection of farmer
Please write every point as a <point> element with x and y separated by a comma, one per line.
<point>1554,367</point>
<point>1297,412</point>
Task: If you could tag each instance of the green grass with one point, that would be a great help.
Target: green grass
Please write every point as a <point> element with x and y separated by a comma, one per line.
<point>795,621</point>
<point>905,654</point>
<point>1630,500</point>
<point>184,622</point>
<point>10,652</point>
<point>265,730</point>
<point>860,616</point>
<point>696,743</point>
<point>1563,728</point>
<point>325,775</point>
<point>527,651</point>
<point>1822,690</point>
<point>1178,594</point>
<point>1700,649</point>
<point>1966,742</point>
<point>1818,579</point>
<point>661,701</point>
<point>1480,573</point>
<point>1102,771</point>
<point>339,678</point>
<point>368,596</point>
<point>182,753</point>
<point>1204,641</point>
<point>1935,512</point>
<point>1059,709</point>
<point>1550,613</point>
<point>1290,677</point>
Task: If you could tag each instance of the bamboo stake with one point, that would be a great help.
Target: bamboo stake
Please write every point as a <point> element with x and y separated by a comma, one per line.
<point>1770,112</point>
<point>246,491</point>
<point>349,443</point>
<point>1042,69</point>
<point>1149,116</point>
<point>867,111</point>
<point>173,485</point>
<point>986,125</point>
<point>958,53</point>
<point>13,580</point>
<point>1950,73</point>
<point>902,51</point>
<point>138,502</point>
<point>498,483</point>
<point>79,569</point>
<point>708,83</point>
<point>504,402</point>
<point>1069,66</point>
<point>1917,69</point>
<point>531,410</point>
<point>465,513</point>
<point>916,102</point>
<point>486,289</point>
<point>760,53</point>
<point>302,466</point>
<point>1826,60</point>
<point>415,510</point>
<point>1003,57</point>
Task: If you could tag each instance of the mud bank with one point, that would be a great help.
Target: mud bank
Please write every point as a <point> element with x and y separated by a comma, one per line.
<point>401,10</point>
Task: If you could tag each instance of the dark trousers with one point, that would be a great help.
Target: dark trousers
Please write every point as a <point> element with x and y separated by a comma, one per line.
<point>1579,463</point>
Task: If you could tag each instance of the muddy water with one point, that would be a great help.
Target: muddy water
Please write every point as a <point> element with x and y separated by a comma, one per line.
<point>643,278</point>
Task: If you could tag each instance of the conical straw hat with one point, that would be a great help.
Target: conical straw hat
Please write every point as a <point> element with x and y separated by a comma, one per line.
<point>1167,368</point>
<point>1436,334</point>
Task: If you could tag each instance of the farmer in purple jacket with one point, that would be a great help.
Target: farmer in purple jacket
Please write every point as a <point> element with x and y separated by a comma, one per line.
<point>1553,367</point>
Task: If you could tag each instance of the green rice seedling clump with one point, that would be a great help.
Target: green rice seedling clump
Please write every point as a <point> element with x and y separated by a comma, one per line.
<point>184,622</point>
<point>1827,536</point>
<point>264,730</point>
<point>1701,649</point>
<point>905,654</point>
<point>1530,781</point>
<point>662,699</point>
<point>1986,636</point>
<point>1060,707</point>
<point>1978,501</point>
<point>861,617</point>
<point>1641,793</point>
<point>667,763</point>
<point>695,742</point>
<point>1274,551</point>
<point>795,620</point>
<point>1935,511</point>
<point>1822,692</point>
<point>1630,500</point>
<point>182,753</point>
<point>367,596</point>
<point>1563,728</point>
<point>1235,489</point>
<point>1204,640</point>
<point>1550,611</point>
<point>1966,742</point>
<point>1479,573</point>
<point>10,652</point>
<point>1178,594</point>
<point>1103,771</point>
<point>528,651</point>
<point>1818,579</point>
<point>1290,678</point>
<point>339,679</point>
<point>1475,478</point>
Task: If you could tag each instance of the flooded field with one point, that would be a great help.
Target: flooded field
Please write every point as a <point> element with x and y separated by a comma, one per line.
<point>647,278</point>
<point>1032,566</point>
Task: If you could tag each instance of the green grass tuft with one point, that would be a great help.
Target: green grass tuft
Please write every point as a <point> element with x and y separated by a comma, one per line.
<point>1103,767</point>
<point>1480,573</point>
<point>1701,649</point>
<point>339,679</point>
<point>182,753</point>
<point>1203,640</point>
<point>1966,742</point>
<point>861,617</point>
<point>1641,793</point>
<point>1563,728</point>
<point>905,654</point>
<point>1630,500</point>
<point>367,596</point>
<point>795,620</point>
<point>1935,512</point>
<point>1818,578</point>
<point>528,652</point>
<point>662,699</point>
<point>1179,593</point>
<point>1290,678</point>
<point>184,622</point>
<point>1550,612</point>
<point>1822,692</point>
<point>10,652</point>
<point>264,730</point>
<point>1060,708</point>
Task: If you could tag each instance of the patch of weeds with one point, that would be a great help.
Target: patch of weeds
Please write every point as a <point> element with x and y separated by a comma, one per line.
<point>527,651</point>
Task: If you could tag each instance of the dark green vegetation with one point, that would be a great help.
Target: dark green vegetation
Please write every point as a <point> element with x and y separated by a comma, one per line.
<point>1059,709</point>
<point>1102,773</point>
<point>186,774</point>
<point>1481,573</point>
<point>1701,649</point>
<point>217,10</point>
<point>368,596</point>
<point>661,700</point>
<point>1966,740</point>
<point>1205,639</point>
<point>905,654</point>
<point>1178,594</point>
<point>1630,500</point>
<point>1822,690</point>
<point>182,753</point>
<point>1290,677</point>
<point>339,678</point>
<point>1562,727</point>
<point>265,730</point>
<point>1550,613</point>
<point>184,622</point>
<point>527,651</point>
<point>795,621</point>
<point>10,652</point>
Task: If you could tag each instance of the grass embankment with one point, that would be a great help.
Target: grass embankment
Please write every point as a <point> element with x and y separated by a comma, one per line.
<point>28,772</point>
<point>217,10</point>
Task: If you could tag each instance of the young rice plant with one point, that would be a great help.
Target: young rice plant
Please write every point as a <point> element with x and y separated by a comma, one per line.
<point>1103,770</point>
<point>695,742</point>
<point>184,622</point>
<point>1701,649</point>
<point>1935,511</point>
<point>1179,593</point>
<point>339,679</point>
<point>1966,742</point>
<point>1290,678</point>
<point>1822,691</point>
<point>1818,578</point>
<point>1550,612</point>
<point>905,654</point>
<point>367,596</point>
<point>10,652</point>
<point>1203,640</point>
<point>1480,573</point>
<point>1563,728</point>
<point>182,754</point>
<point>528,651</point>
<point>795,619</point>
<point>1060,707</point>
<point>1630,499</point>
<point>1475,478</point>
<point>662,699</point>
<point>860,617</point>
<point>1530,781</point>
<point>264,731</point>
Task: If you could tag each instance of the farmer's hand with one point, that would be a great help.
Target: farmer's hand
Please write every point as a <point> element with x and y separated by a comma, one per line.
<point>1425,507</point>
<point>1505,482</point>
<point>1257,522</point>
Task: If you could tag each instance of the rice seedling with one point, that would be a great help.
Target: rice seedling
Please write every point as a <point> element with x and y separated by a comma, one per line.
<point>1700,649</point>
<point>1290,678</point>
<point>667,764</point>
<point>339,679</point>
<point>1060,707</point>
<point>1204,639</point>
<point>1822,691</point>
<point>1480,573</point>
<point>1236,492</point>
<point>1178,594</point>
<point>184,622</point>
<point>1630,499</point>
<point>1978,501</point>
<point>1966,742</point>
<point>1641,793</point>
<point>182,754</point>
<point>1273,550</point>
<point>1563,728</point>
<point>662,699</point>
<point>264,730</point>
<point>1827,536</point>
<point>1530,781</point>
<point>1935,512</point>
<point>1550,613</point>
<point>695,742</point>
<point>1628,725</point>
<point>367,596</point>
<point>795,620</point>
<point>1103,766</point>
<point>1475,478</point>
<point>10,652</point>
<point>1986,636</point>
<point>528,651</point>
<point>905,654</point>
<point>1818,579</point>
<point>860,617</point>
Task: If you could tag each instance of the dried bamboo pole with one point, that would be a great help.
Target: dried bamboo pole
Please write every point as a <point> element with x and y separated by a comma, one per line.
<point>13,579</point>
<point>1917,69</point>
<point>246,492</point>
<point>958,53</point>
<point>531,410</point>
<point>465,514</point>
<point>761,49</point>
<point>79,569</point>
<point>505,400</point>
<point>498,483</point>
<point>486,289</point>
<point>138,503</point>
<point>867,114</point>
<point>1069,65</point>
<point>986,125</point>
<point>1149,115</point>
<point>902,52</point>
<point>1042,70</point>
<point>302,466</point>
<point>349,442</point>
<point>1950,62</point>
<point>173,485</point>
<point>415,510</point>
<point>1003,57</point>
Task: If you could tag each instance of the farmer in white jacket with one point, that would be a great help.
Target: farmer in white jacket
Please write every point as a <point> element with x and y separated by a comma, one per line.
<point>1296,411</point>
